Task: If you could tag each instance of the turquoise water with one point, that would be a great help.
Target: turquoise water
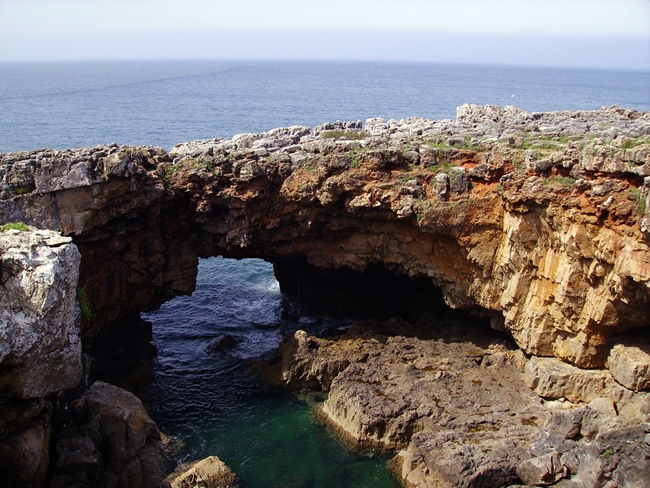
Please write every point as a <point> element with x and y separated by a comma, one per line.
<point>280,445</point>
<point>214,405</point>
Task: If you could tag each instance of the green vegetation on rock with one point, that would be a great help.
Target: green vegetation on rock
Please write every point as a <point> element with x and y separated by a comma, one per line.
<point>84,305</point>
<point>14,226</point>
<point>347,134</point>
<point>560,180</point>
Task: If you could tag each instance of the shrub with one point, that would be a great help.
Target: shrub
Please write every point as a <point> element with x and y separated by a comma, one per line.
<point>15,226</point>
<point>84,305</point>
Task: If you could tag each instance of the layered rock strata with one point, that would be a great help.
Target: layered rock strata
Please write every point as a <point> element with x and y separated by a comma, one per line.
<point>538,222</point>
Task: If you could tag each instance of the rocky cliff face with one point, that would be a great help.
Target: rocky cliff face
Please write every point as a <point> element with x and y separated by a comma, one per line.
<point>40,350</point>
<point>539,222</point>
<point>50,428</point>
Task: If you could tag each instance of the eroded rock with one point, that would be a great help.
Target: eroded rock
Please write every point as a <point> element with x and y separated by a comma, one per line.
<point>630,366</point>
<point>131,447</point>
<point>40,349</point>
<point>453,403</point>
<point>210,472</point>
<point>552,378</point>
<point>542,225</point>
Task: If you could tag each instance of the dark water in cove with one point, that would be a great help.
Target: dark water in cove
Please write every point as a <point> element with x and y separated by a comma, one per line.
<point>211,402</point>
<point>208,400</point>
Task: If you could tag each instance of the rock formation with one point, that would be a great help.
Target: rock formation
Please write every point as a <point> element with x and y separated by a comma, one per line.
<point>109,440</point>
<point>40,350</point>
<point>539,222</point>
<point>47,431</point>
<point>447,395</point>
<point>210,472</point>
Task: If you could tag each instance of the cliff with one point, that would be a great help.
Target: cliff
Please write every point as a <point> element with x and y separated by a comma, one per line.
<point>539,222</point>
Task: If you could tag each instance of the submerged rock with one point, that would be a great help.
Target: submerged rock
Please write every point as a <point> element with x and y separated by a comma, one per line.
<point>222,342</point>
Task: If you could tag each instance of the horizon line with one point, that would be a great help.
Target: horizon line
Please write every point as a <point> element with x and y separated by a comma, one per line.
<point>326,60</point>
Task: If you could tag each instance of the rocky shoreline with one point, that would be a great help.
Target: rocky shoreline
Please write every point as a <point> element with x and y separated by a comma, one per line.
<point>538,224</point>
<point>449,399</point>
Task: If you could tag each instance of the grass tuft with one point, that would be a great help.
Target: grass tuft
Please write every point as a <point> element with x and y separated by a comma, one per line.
<point>347,134</point>
<point>14,226</point>
<point>84,305</point>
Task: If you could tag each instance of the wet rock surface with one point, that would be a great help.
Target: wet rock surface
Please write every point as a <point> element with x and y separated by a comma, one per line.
<point>210,472</point>
<point>451,399</point>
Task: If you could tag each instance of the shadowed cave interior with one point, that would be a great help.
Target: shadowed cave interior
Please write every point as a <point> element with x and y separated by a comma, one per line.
<point>122,355</point>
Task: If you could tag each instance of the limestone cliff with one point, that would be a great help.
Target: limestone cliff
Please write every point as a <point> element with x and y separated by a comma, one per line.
<point>50,427</point>
<point>538,221</point>
<point>40,350</point>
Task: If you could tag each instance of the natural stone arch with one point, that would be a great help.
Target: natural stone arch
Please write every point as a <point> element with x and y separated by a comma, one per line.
<point>559,261</point>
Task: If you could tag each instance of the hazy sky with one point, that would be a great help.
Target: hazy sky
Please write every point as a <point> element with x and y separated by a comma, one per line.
<point>579,33</point>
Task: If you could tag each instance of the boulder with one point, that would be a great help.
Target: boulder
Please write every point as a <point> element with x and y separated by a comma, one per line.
<point>441,185</point>
<point>130,445</point>
<point>552,378</point>
<point>458,180</point>
<point>542,470</point>
<point>210,472</point>
<point>40,349</point>
<point>222,342</point>
<point>630,366</point>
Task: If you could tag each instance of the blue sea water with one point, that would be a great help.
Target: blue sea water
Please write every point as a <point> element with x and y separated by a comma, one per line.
<point>76,104</point>
<point>209,401</point>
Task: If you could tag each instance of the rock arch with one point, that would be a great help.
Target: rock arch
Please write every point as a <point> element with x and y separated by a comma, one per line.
<point>555,253</point>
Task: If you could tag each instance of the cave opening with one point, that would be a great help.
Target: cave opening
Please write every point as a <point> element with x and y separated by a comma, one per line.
<point>202,393</point>
<point>206,397</point>
<point>374,293</point>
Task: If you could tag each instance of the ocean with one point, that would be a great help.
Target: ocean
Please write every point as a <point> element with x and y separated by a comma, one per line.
<point>209,402</point>
<point>64,105</point>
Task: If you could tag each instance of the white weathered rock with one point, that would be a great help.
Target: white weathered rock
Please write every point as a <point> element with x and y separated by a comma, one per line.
<point>40,347</point>
<point>630,366</point>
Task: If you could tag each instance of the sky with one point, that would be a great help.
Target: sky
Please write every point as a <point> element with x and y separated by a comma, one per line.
<point>612,34</point>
